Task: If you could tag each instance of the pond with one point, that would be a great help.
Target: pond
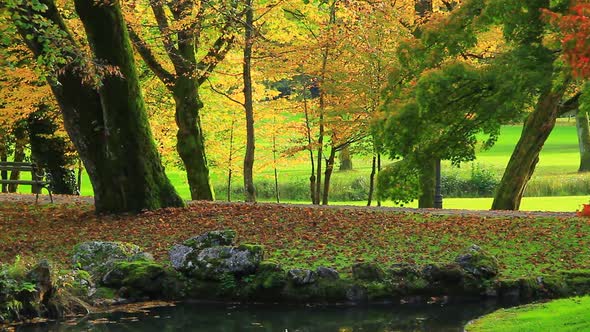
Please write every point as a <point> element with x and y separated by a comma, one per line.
<point>234,318</point>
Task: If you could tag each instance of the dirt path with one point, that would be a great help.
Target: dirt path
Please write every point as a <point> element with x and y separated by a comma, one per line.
<point>64,199</point>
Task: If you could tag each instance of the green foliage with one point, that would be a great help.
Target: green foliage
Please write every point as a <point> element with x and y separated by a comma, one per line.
<point>13,284</point>
<point>399,182</point>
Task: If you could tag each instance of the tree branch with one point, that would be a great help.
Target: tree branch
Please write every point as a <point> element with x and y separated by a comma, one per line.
<point>148,56</point>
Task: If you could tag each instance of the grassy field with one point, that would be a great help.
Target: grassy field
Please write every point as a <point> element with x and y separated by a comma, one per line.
<point>556,174</point>
<point>559,315</point>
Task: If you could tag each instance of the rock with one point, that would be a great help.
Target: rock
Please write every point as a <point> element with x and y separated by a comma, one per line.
<point>211,263</point>
<point>406,279</point>
<point>211,239</point>
<point>178,255</point>
<point>367,272</point>
<point>98,257</point>
<point>446,274</point>
<point>302,277</point>
<point>270,275</point>
<point>40,275</point>
<point>139,278</point>
<point>357,294</point>
<point>327,273</point>
<point>478,263</point>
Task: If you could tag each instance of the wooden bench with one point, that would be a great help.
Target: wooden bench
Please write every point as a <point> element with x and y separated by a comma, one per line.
<point>37,177</point>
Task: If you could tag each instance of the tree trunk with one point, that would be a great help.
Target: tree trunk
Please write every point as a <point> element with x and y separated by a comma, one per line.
<point>372,180</point>
<point>328,175</point>
<point>190,143</point>
<point>109,128</point>
<point>345,160</point>
<point>583,129</point>
<point>230,159</point>
<point>4,158</point>
<point>312,178</point>
<point>427,184</point>
<point>20,140</point>
<point>525,156</point>
<point>249,188</point>
<point>378,170</point>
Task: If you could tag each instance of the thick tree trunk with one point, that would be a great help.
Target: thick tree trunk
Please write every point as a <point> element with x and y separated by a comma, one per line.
<point>4,174</point>
<point>525,156</point>
<point>328,175</point>
<point>20,140</point>
<point>427,184</point>
<point>190,142</point>
<point>583,129</point>
<point>249,188</point>
<point>50,152</point>
<point>345,160</point>
<point>372,179</point>
<point>109,128</point>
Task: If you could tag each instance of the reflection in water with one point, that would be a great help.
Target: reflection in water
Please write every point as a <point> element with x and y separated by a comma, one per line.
<point>230,318</point>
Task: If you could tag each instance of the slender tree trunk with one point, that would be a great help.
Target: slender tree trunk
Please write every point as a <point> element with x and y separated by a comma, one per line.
<point>249,188</point>
<point>230,160</point>
<point>372,179</point>
<point>312,178</point>
<point>328,175</point>
<point>378,171</point>
<point>427,184</point>
<point>583,129</point>
<point>525,156</point>
<point>345,160</point>
<point>274,161</point>
<point>109,128</point>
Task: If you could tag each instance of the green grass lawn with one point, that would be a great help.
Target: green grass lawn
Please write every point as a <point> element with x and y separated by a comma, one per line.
<point>556,173</point>
<point>560,315</point>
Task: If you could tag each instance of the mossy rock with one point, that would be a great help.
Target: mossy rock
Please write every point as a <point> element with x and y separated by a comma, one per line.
<point>406,279</point>
<point>321,291</point>
<point>142,279</point>
<point>212,239</point>
<point>105,293</point>
<point>266,283</point>
<point>578,281</point>
<point>98,257</point>
<point>211,263</point>
<point>478,263</point>
<point>367,272</point>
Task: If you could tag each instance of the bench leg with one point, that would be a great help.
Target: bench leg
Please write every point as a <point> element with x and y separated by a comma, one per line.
<point>37,198</point>
<point>50,196</point>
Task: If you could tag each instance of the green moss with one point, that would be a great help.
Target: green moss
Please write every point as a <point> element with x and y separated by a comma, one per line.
<point>105,293</point>
<point>254,248</point>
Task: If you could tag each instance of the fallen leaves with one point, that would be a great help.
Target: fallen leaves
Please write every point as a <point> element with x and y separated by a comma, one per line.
<point>304,236</point>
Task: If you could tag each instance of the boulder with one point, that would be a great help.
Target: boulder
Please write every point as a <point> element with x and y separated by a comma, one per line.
<point>178,255</point>
<point>98,257</point>
<point>301,277</point>
<point>40,276</point>
<point>357,294</point>
<point>367,272</point>
<point>478,263</point>
<point>327,273</point>
<point>211,263</point>
<point>138,278</point>
<point>212,239</point>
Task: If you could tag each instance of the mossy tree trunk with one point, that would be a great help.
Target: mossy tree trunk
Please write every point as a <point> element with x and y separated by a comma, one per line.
<point>427,183</point>
<point>583,129</point>
<point>525,156</point>
<point>328,175</point>
<point>345,160</point>
<point>20,140</point>
<point>109,127</point>
<point>189,74</point>
<point>51,152</point>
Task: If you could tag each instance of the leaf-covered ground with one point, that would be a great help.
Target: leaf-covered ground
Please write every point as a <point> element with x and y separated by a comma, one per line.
<point>305,236</point>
